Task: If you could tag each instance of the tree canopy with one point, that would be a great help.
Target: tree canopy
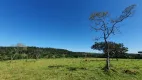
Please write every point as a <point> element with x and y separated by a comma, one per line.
<point>115,49</point>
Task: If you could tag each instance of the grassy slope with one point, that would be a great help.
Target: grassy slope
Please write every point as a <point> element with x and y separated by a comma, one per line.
<point>69,69</point>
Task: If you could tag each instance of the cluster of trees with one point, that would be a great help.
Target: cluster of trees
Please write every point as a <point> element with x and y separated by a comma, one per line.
<point>10,53</point>
<point>23,52</point>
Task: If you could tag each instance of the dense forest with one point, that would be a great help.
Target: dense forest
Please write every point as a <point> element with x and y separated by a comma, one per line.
<point>12,53</point>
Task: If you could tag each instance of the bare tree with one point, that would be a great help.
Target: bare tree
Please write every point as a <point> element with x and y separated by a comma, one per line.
<point>108,26</point>
<point>19,48</point>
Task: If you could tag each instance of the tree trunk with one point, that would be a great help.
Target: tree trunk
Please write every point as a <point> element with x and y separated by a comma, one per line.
<point>11,58</point>
<point>117,59</point>
<point>36,56</point>
<point>108,62</point>
<point>27,58</point>
<point>107,67</point>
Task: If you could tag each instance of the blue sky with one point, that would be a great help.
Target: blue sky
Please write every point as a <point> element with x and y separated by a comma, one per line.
<point>64,23</point>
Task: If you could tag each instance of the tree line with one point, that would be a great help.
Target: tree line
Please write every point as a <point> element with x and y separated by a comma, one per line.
<point>31,52</point>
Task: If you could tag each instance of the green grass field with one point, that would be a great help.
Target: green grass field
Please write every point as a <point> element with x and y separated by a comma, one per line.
<point>70,69</point>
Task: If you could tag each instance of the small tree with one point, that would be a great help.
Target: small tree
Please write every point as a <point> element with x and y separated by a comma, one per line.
<point>107,26</point>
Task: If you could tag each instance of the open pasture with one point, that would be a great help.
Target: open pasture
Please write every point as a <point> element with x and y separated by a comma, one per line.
<point>70,69</point>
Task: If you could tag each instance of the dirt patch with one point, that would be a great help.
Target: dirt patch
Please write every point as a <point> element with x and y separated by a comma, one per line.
<point>56,66</point>
<point>134,72</point>
<point>83,68</point>
<point>72,68</point>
